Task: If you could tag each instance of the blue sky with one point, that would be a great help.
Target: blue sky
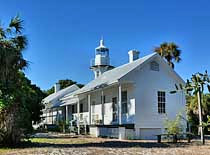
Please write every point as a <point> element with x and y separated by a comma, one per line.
<point>63,34</point>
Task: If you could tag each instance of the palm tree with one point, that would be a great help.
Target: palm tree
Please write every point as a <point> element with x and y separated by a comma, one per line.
<point>196,86</point>
<point>169,51</point>
<point>12,44</point>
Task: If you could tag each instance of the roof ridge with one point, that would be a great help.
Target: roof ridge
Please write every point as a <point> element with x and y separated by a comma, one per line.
<point>60,92</point>
<point>115,74</point>
<point>135,61</point>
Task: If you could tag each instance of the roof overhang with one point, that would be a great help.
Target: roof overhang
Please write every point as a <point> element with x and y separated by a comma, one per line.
<point>106,86</point>
<point>98,88</point>
<point>70,102</point>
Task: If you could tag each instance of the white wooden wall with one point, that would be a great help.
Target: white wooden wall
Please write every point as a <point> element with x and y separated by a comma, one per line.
<point>147,83</point>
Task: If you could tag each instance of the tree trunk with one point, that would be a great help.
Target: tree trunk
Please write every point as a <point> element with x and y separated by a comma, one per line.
<point>171,64</point>
<point>11,133</point>
<point>200,118</point>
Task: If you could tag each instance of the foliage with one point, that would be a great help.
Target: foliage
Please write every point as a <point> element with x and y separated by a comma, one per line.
<point>174,126</point>
<point>169,51</point>
<point>20,101</point>
<point>197,83</point>
<point>192,111</point>
<point>196,86</point>
<point>12,44</point>
<point>62,125</point>
<point>207,123</point>
<point>63,84</point>
<point>26,99</point>
<point>31,105</point>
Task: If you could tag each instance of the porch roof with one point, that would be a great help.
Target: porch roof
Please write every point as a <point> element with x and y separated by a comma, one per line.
<point>54,99</point>
<point>69,96</point>
<point>70,101</point>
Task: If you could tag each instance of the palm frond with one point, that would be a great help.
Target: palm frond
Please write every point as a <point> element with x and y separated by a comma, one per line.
<point>2,33</point>
<point>20,42</point>
<point>16,23</point>
<point>170,51</point>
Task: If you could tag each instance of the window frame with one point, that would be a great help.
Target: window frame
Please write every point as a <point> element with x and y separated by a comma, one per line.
<point>74,110</point>
<point>114,109</point>
<point>124,102</point>
<point>81,108</point>
<point>154,66</point>
<point>161,99</point>
<point>103,99</point>
<point>93,109</point>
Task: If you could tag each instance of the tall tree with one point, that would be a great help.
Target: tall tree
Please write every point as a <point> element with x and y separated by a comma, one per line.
<point>12,45</point>
<point>30,103</point>
<point>169,51</point>
<point>19,99</point>
<point>196,86</point>
<point>192,110</point>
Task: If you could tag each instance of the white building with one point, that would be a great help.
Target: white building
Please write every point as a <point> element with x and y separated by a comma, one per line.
<point>53,111</point>
<point>129,101</point>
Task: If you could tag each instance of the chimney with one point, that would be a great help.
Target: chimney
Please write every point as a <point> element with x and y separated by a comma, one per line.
<point>133,55</point>
<point>56,87</point>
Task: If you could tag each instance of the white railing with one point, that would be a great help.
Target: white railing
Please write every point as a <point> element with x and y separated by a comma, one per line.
<point>92,62</point>
<point>83,117</point>
<point>95,118</point>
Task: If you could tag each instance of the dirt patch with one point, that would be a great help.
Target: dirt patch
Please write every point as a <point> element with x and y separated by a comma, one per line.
<point>83,145</point>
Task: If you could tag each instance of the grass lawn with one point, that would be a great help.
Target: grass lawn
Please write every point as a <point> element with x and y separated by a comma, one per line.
<point>87,146</point>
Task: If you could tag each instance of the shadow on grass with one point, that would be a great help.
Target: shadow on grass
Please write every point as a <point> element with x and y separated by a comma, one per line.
<point>105,144</point>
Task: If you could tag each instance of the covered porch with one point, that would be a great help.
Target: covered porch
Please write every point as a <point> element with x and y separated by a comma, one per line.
<point>111,109</point>
<point>76,114</point>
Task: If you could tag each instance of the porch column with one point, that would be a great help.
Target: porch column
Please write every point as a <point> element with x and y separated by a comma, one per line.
<point>120,105</point>
<point>48,117</point>
<point>52,116</point>
<point>67,114</point>
<point>78,117</point>
<point>46,122</point>
<point>121,133</point>
<point>89,109</point>
<point>102,106</point>
<point>57,116</point>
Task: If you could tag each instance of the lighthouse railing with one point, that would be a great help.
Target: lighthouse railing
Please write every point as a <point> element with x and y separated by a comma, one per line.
<point>92,62</point>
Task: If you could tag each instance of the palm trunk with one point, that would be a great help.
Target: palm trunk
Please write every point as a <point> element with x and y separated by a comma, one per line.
<point>171,64</point>
<point>11,133</point>
<point>200,117</point>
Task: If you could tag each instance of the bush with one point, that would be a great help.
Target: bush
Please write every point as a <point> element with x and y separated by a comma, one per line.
<point>174,126</point>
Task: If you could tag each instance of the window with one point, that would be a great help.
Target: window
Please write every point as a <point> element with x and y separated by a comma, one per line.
<point>161,102</point>
<point>104,99</point>
<point>124,102</point>
<point>93,107</point>
<point>81,108</point>
<point>97,73</point>
<point>74,110</point>
<point>114,108</point>
<point>154,66</point>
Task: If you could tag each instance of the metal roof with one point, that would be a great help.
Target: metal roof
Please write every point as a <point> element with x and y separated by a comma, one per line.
<point>112,76</point>
<point>69,95</point>
<point>56,96</point>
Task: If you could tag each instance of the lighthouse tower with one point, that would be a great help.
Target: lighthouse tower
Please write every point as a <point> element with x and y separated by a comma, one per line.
<point>101,63</point>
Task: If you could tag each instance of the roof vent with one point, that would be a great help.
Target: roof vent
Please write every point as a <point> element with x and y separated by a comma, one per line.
<point>133,55</point>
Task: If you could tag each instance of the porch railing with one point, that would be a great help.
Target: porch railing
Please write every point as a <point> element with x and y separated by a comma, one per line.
<point>83,117</point>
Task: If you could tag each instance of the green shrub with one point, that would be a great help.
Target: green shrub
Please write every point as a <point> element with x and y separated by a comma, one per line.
<point>173,126</point>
